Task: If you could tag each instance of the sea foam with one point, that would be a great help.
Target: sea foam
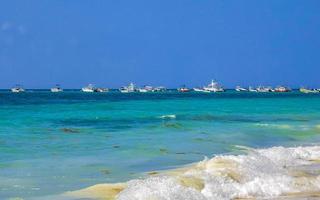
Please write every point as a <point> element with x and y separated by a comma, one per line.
<point>168,116</point>
<point>260,174</point>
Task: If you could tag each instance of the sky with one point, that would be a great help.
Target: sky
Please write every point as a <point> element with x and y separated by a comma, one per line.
<point>111,43</point>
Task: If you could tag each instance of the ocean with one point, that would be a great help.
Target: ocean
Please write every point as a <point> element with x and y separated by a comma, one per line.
<point>54,143</point>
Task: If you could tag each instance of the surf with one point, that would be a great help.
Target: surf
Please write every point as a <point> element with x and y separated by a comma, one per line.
<point>258,174</point>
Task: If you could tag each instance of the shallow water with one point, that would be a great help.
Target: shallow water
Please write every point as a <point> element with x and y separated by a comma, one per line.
<point>53,143</point>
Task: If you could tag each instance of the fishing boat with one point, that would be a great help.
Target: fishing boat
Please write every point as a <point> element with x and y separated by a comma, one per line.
<point>282,89</point>
<point>128,89</point>
<point>305,90</point>
<point>89,88</point>
<point>213,87</point>
<point>183,89</point>
<point>241,89</point>
<point>57,88</point>
<point>17,89</point>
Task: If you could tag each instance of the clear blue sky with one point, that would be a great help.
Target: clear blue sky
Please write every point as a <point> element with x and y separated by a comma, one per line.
<point>168,42</point>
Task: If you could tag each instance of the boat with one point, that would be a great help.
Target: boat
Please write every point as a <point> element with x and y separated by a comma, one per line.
<point>146,89</point>
<point>128,89</point>
<point>159,89</point>
<point>305,90</point>
<point>282,89</point>
<point>17,89</point>
<point>251,89</point>
<point>57,88</point>
<point>101,90</point>
<point>240,89</point>
<point>213,87</point>
<point>198,89</point>
<point>264,89</point>
<point>183,89</point>
<point>89,88</point>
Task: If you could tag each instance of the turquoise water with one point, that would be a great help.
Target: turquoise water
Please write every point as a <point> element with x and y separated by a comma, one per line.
<point>56,142</point>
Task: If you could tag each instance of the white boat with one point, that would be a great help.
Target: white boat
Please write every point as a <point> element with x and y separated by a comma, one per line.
<point>213,87</point>
<point>128,89</point>
<point>264,89</point>
<point>89,88</point>
<point>240,89</point>
<point>17,89</point>
<point>101,90</point>
<point>251,89</point>
<point>57,88</point>
<point>183,89</point>
<point>159,89</point>
<point>146,89</point>
<point>282,89</point>
<point>305,90</point>
<point>200,90</point>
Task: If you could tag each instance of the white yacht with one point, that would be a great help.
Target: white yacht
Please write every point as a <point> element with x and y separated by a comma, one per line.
<point>89,88</point>
<point>128,89</point>
<point>241,89</point>
<point>17,89</point>
<point>57,88</point>
<point>213,87</point>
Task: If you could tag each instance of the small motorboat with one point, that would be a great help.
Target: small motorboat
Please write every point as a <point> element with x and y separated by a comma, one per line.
<point>183,89</point>
<point>101,90</point>
<point>240,89</point>
<point>305,90</point>
<point>198,89</point>
<point>145,89</point>
<point>159,89</point>
<point>57,88</point>
<point>264,89</point>
<point>282,89</point>
<point>17,89</point>
<point>89,88</point>
<point>251,89</point>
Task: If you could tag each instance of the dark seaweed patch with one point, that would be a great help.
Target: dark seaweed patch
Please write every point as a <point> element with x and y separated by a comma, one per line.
<point>163,150</point>
<point>105,171</point>
<point>70,130</point>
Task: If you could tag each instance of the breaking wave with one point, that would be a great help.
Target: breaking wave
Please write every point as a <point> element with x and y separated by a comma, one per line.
<point>259,174</point>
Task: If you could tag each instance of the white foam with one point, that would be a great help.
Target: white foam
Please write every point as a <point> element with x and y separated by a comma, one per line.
<point>168,117</point>
<point>264,173</point>
<point>160,188</point>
